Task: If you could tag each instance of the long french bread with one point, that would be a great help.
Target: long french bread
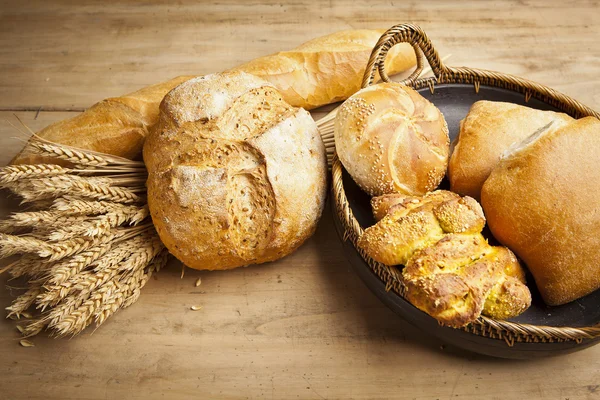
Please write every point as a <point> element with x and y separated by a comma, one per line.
<point>324,70</point>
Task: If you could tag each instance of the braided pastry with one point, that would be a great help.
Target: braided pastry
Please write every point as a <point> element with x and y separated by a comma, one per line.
<point>451,272</point>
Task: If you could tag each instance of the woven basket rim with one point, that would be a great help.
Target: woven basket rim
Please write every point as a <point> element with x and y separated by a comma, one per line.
<point>509,331</point>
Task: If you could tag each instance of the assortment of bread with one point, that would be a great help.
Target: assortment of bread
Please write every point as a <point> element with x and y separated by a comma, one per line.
<point>237,175</point>
<point>392,139</point>
<point>535,172</point>
<point>451,272</point>
<point>324,70</point>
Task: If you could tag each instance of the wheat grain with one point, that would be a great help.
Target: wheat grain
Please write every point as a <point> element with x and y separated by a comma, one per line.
<point>77,206</point>
<point>23,302</point>
<point>129,289</point>
<point>58,251</point>
<point>35,327</point>
<point>14,173</point>
<point>11,244</point>
<point>64,270</point>
<point>30,265</point>
<point>79,156</point>
<point>88,187</point>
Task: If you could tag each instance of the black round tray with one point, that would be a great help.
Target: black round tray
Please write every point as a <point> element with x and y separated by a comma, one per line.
<point>454,100</point>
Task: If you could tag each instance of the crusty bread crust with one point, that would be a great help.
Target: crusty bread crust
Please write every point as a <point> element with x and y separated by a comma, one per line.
<point>321,71</point>
<point>237,176</point>
<point>542,202</point>
<point>391,139</point>
<point>489,130</point>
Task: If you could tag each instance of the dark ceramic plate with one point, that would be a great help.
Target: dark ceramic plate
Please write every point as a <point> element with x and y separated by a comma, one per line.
<point>454,100</point>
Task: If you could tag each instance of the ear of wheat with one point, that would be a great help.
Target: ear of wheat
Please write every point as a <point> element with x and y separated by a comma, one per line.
<point>89,246</point>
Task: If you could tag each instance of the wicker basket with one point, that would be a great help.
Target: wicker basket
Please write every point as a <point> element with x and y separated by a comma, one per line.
<point>510,332</point>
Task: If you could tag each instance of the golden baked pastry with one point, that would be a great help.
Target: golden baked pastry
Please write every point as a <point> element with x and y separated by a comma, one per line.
<point>451,272</point>
<point>237,176</point>
<point>489,131</point>
<point>543,202</point>
<point>391,139</point>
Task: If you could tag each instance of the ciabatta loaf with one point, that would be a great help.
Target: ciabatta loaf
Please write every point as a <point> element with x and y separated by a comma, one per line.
<point>487,132</point>
<point>237,175</point>
<point>321,71</point>
<point>543,201</point>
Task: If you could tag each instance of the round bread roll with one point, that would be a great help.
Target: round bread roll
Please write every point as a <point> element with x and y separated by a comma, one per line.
<point>236,175</point>
<point>542,202</point>
<point>391,139</point>
<point>487,132</point>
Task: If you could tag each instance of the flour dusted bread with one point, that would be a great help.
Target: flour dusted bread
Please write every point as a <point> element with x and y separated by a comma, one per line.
<point>543,202</point>
<point>237,176</point>
<point>391,139</point>
<point>487,132</point>
<point>321,71</point>
<point>326,69</point>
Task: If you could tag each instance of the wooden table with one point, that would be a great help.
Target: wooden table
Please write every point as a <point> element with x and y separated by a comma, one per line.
<point>305,326</point>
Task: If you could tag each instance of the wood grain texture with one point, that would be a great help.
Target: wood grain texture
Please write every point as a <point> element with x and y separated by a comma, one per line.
<point>305,326</point>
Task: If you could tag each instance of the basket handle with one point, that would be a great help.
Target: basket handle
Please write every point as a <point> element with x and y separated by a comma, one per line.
<point>403,33</point>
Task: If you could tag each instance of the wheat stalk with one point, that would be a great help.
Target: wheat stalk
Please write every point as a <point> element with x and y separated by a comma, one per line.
<point>85,249</point>
<point>129,290</point>
<point>78,318</point>
<point>157,264</point>
<point>37,218</point>
<point>13,173</point>
<point>95,188</point>
<point>11,244</point>
<point>64,270</point>
<point>79,156</point>
<point>28,265</point>
<point>23,302</point>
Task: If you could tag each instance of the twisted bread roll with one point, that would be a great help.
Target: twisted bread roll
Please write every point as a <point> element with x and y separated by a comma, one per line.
<point>451,272</point>
<point>487,132</point>
<point>391,139</point>
<point>321,71</point>
<point>237,176</point>
<point>542,201</point>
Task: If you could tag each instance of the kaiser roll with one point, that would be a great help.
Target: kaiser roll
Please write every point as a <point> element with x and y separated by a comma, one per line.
<point>543,202</point>
<point>391,139</point>
<point>237,176</point>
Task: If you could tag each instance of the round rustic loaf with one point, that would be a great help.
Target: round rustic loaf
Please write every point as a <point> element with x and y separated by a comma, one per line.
<point>391,139</point>
<point>236,175</point>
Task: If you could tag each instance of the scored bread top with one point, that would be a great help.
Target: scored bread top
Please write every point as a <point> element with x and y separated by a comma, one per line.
<point>391,139</point>
<point>236,175</point>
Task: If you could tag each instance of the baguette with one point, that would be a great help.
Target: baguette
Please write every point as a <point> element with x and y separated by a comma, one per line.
<point>324,70</point>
